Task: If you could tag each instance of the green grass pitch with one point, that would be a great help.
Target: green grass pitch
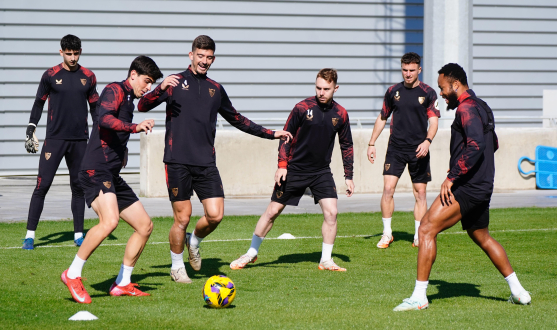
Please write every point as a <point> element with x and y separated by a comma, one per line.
<point>284,289</point>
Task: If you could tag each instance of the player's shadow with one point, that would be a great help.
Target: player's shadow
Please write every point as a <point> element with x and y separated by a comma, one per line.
<point>398,235</point>
<point>209,267</point>
<point>61,237</point>
<point>450,290</point>
<point>299,257</point>
<point>104,286</point>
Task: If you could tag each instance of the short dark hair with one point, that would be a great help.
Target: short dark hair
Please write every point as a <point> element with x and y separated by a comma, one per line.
<point>328,75</point>
<point>454,72</point>
<point>203,42</point>
<point>411,58</point>
<point>144,65</point>
<point>70,42</point>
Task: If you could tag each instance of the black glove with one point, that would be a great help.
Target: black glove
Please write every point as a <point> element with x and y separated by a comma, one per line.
<point>31,141</point>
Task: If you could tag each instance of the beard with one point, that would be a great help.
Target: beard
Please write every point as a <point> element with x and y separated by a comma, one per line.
<point>453,100</point>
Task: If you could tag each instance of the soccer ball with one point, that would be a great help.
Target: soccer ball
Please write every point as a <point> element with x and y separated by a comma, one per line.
<point>219,291</point>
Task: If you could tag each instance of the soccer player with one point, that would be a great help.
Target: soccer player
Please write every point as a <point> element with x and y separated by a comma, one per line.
<point>304,163</point>
<point>193,101</point>
<point>105,191</point>
<point>69,87</point>
<point>466,192</point>
<point>413,105</point>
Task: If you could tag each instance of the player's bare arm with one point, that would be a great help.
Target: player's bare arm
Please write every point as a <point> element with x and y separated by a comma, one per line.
<point>423,148</point>
<point>377,129</point>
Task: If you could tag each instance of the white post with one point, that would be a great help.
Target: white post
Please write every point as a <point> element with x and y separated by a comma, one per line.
<point>447,39</point>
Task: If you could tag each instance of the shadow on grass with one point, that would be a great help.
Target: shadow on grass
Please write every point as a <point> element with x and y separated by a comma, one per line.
<point>145,287</point>
<point>450,290</point>
<point>299,257</point>
<point>398,236</point>
<point>63,236</point>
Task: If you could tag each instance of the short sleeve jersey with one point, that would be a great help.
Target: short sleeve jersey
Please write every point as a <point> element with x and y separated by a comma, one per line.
<point>410,109</point>
<point>68,93</point>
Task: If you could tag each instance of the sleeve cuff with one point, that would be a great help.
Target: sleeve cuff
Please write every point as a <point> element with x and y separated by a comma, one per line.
<point>282,164</point>
<point>134,126</point>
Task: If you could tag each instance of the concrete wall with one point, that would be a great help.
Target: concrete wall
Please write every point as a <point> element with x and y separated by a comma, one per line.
<point>247,164</point>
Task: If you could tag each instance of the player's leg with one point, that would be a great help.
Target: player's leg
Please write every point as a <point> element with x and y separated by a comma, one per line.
<point>140,221</point>
<point>498,256</point>
<point>106,207</point>
<point>74,156</point>
<point>329,232</point>
<point>264,225</point>
<point>51,156</point>
<point>387,209</point>
<point>419,171</point>
<point>207,184</point>
<point>182,212</point>
<point>438,218</point>
<point>420,208</point>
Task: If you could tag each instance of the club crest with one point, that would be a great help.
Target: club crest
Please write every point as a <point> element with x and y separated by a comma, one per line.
<point>279,194</point>
<point>397,96</point>
<point>175,192</point>
<point>107,184</point>
<point>58,82</point>
<point>421,99</point>
<point>47,155</point>
<point>309,115</point>
<point>83,81</point>
<point>436,104</point>
<point>387,167</point>
<point>335,121</point>
<point>185,87</point>
<point>211,92</point>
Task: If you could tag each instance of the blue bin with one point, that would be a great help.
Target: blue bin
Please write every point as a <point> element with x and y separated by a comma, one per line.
<point>546,167</point>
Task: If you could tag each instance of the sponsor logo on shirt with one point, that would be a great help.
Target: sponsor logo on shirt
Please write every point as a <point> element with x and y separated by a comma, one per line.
<point>436,104</point>
<point>211,92</point>
<point>83,81</point>
<point>335,121</point>
<point>47,155</point>
<point>397,96</point>
<point>175,192</point>
<point>58,82</point>
<point>421,99</point>
<point>309,115</point>
<point>185,87</point>
<point>107,184</point>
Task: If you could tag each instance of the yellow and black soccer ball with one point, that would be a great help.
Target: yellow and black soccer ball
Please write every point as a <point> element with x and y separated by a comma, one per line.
<point>219,291</point>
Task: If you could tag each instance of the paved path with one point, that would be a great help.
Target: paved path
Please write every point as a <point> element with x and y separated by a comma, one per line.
<point>15,194</point>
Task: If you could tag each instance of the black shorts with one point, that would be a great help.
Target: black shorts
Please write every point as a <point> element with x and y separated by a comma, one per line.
<point>396,160</point>
<point>93,181</point>
<point>182,180</point>
<point>474,212</point>
<point>291,190</point>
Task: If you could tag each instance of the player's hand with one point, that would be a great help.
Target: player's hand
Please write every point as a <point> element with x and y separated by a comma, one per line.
<point>283,135</point>
<point>371,154</point>
<point>280,174</point>
<point>446,195</point>
<point>349,187</point>
<point>171,80</point>
<point>423,149</point>
<point>125,161</point>
<point>31,141</point>
<point>145,126</point>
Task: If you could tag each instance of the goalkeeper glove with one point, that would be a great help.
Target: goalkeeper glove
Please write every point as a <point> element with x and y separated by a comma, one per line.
<point>31,141</point>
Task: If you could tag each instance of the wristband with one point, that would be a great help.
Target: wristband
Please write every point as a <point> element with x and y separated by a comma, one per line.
<point>428,139</point>
<point>371,145</point>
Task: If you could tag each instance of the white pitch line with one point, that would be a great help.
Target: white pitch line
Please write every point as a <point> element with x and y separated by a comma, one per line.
<point>301,237</point>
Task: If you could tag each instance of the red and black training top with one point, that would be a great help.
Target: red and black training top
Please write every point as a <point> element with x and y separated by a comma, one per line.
<point>68,93</point>
<point>191,118</point>
<point>472,164</point>
<point>314,126</point>
<point>411,108</point>
<point>106,149</point>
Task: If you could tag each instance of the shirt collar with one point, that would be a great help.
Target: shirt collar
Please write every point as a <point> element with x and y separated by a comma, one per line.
<point>128,87</point>
<point>464,95</point>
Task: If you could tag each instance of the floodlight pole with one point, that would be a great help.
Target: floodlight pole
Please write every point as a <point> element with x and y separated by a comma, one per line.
<point>447,39</point>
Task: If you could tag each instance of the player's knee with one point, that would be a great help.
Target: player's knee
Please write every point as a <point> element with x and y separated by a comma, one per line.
<point>272,214</point>
<point>420,195</point>
<point>108,225</point>
<point>182,220</point>
<point>147,228</point>
<point>214,218</point>
<point>388,191</point>
<point>330,215</point>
